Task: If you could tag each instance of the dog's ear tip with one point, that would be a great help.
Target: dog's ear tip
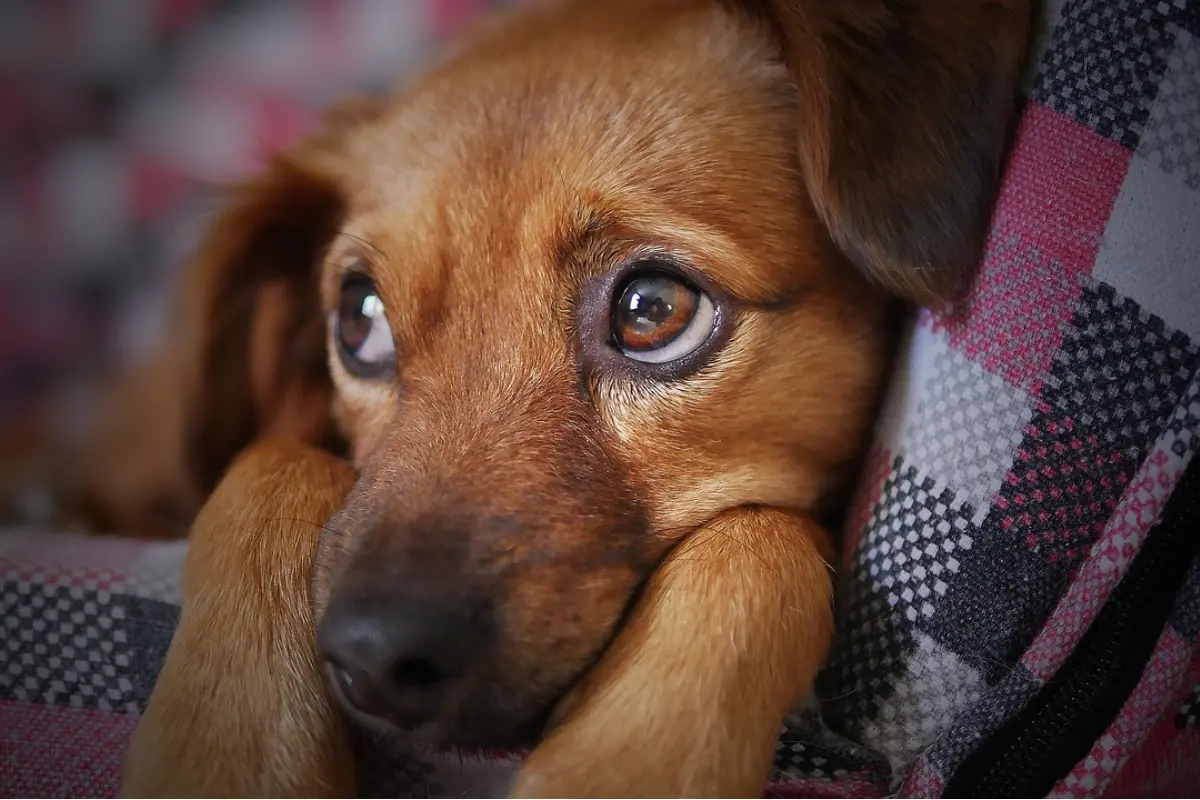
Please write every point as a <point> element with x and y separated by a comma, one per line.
<point>925,253</point>
<point>930,287</point>
<point>924,283</point>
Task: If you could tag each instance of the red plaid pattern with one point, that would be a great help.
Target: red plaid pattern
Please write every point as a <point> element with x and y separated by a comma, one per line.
<point>61,751</point>
<point>1165,680</point>
<point>1052,207</point>
<point>1106,563</point>
<point>1037,430</point>
<point>1164,765</point>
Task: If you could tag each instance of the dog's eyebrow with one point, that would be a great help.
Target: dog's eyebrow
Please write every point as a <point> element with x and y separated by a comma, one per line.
<point>364,244</point>
<point>583,229</point>
<point>594,239</point>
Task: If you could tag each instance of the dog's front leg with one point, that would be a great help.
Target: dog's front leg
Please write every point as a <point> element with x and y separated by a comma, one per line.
<point>689,699</point>
<point>240,708</point>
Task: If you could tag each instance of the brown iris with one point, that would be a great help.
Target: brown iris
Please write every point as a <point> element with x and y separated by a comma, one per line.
<point>652,310</point>
<point>361,331</point>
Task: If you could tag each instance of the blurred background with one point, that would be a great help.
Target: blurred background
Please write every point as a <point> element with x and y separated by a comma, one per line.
<point>118,121</point>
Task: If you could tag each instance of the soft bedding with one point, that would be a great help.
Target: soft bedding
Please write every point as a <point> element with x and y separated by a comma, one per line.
<point>1031,499</point>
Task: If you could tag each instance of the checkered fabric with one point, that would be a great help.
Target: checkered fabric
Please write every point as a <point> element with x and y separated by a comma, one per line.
<point>1031,438</point>
<point>1036,430</point>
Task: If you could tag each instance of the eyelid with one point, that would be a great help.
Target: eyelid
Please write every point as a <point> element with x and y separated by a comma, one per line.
<point>683,266</point>
<point>335,267</point>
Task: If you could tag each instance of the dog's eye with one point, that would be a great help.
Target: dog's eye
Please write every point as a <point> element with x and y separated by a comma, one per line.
<point>658,317</point>
<point>361,331</point>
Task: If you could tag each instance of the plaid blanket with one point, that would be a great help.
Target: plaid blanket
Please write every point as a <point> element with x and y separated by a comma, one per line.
<point>1020,602</point>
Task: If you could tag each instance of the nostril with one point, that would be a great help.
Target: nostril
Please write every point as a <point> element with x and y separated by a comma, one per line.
<point>354,688</point>
<point>398,655</point>
<point>345,680</point>
<point>417,673</point>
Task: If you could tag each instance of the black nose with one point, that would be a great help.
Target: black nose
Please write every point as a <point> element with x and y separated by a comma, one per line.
<point>396,654</point>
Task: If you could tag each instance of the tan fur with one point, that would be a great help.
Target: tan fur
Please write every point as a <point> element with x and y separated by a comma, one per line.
<point>751,588</point>
<point>240,709</point>
<point>646,546</point>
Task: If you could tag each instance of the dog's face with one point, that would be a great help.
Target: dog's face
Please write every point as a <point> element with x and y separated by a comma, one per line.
<point>573,312</point>
<point>565,299</point>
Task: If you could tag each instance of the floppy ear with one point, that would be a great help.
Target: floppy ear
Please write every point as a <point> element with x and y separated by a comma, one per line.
<point>904,113</point>
<point>255,358</point>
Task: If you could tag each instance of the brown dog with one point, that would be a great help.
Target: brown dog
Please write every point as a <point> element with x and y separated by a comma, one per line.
<point>590,308</point>
<point>241,709</point>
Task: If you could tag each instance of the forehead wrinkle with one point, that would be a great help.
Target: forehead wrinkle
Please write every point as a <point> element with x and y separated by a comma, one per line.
<point>574,232</point>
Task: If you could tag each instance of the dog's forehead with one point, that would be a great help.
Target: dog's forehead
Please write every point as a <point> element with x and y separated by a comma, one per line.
<point>590,97</point>
<point>656,111</point>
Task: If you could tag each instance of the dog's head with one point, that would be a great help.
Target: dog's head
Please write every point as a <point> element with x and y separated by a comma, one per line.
<point>608,270</point>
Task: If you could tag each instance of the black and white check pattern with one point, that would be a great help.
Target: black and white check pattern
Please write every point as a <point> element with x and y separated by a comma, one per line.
<point>809,750</point>
<point>1113,384</point>
<point>65,645</point>
<point>1105,69</point>
<point>934,688</point>
<point>1185,617</point>
<point>1120,372</point>
<point>967,429</point>
<point>918,535</point>
<point>916,540</point>
<point>869,652</point>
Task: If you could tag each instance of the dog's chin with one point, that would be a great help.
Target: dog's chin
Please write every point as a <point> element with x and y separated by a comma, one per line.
<point>491,720</point>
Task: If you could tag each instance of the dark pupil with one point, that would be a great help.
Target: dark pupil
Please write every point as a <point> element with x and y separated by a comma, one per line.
<point>354,321</point>
<point>646,305</point>
<point>652,308</point>
<point>652,311</point>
